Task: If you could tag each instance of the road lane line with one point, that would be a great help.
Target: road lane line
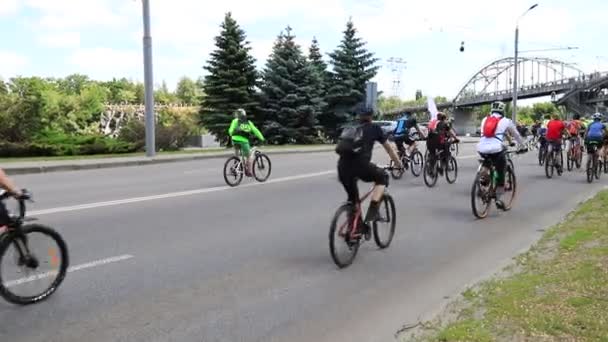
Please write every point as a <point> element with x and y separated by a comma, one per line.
<point>70,269</point>
<point>169,195</point>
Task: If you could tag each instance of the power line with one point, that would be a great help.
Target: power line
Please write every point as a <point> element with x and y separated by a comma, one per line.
<point>396,66</point>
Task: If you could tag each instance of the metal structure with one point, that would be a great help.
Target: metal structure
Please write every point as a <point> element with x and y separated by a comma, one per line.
<point>396,65</point>
<point>148,81</point>
<point>538,76</point>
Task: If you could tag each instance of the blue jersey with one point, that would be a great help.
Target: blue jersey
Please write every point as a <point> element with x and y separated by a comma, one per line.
<point>596,131</point>
<point>404,125</point>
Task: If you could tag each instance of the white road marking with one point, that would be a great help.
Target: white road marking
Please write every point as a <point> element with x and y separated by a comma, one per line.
<point>71,269</point>
<point>170,195</point>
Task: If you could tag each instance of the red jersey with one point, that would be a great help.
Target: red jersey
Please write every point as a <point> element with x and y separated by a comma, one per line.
<point>555,129</point>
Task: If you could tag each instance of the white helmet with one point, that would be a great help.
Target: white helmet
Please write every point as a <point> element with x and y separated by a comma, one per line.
<point>597,116</point>
<point>498,107</point>
<point>240,113</point>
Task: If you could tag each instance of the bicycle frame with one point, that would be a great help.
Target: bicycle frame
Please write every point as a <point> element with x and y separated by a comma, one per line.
<point>353,230</point>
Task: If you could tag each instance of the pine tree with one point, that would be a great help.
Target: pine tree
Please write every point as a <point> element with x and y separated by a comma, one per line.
<point>316,59</point>
<point>231,80</point>
<point>290,104</point>
<point>353,67</point>
<point>320,77</point>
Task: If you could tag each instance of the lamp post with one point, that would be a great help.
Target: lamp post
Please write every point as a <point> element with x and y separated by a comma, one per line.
<point>148,81</point>
<point>514,116</point>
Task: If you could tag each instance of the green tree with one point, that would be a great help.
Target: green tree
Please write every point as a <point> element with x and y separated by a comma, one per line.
<point>389,104</point>
<point>540,110</point>
<point>163,96</point>
<point>418,94</point>
<point>291,104</point>
<point>187,91</point>
<point>140,93</point>
<point>73,84</point>
<point>353,67</point>
<point>3,87</point>
<point>231,81</point>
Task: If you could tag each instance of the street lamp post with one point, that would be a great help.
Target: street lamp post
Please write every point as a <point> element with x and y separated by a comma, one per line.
<point>514,115</point>
<point>148,81</point>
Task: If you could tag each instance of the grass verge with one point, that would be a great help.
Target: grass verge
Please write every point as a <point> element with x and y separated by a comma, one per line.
<point>141,154</point>
<point>557,291</point>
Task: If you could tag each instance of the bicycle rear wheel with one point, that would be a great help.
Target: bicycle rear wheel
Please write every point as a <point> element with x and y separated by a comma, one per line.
<point>590,168</point>
<point>23,250</point>
<point>549,165</point>
<point>417,163</point>
<point>541,156</point>
<point>385,226</point>
<point>430,173</point>
<point>510,189</point>
<point>233,171</point>
<point>570,160</point>
<point>339,236</point>
<point>451,170</point>
<point>261,167</point>
<point>481,191</point>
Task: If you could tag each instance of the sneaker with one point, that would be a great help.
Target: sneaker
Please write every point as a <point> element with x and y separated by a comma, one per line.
<point>365,229</point>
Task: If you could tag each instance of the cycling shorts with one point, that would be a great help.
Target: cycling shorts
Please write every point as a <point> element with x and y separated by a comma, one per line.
<point>243,146</point>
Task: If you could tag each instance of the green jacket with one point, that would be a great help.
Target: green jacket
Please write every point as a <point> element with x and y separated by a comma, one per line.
<point>241,131</point>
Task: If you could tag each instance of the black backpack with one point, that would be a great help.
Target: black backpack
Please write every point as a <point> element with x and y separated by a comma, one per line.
<point>350,142</point>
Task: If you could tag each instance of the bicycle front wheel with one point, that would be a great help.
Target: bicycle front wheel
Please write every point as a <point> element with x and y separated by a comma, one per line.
<point>417,163</point>
<point>40,256</point>
<point>395,173</point>
<point>261,167</point>
<point>590,169</point>
<point>541,156</point>
<point>341,247</point>
<point>384,228</point>
<point>430,173</point>
<point>451,170</point>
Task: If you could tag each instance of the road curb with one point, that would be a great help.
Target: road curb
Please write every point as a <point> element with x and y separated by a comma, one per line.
<point>22,170</point>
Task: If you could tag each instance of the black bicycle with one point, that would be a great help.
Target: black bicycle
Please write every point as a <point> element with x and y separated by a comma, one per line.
<point>542,150</point>
<point>438,165</point>
<point>485,184</point>
<point>554,160</point>
<point>414,161</point>
<point>39,254</point>
<point>594,165</point>
<point>236,166</point>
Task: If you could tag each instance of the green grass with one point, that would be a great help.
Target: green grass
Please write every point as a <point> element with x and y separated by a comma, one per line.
<point>558,293</point>
<point>141,154</point>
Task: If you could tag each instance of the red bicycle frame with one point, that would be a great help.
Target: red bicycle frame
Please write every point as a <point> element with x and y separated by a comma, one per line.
<point>353,234</point>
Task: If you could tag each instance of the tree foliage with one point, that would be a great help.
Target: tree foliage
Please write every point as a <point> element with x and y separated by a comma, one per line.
<point>231,81</point>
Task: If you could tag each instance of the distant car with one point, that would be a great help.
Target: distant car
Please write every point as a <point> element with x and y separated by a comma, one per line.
<point>388,127</point>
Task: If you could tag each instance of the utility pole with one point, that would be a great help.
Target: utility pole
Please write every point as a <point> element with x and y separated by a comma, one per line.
<point>514,115</point>
<point>148,81</point>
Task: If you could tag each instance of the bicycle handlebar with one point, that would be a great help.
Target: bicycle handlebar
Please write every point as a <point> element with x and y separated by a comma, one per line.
<point>25,196</point>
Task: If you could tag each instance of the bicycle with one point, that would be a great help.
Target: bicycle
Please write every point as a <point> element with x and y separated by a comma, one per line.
<point>574,156</point>
<point>18,238</point>
<point>552,163</point>
<point>594,167</point>
<point>454,148</point>
<point>414,161</point>
<point>349,231</point>
<point>485,184</point>
<point>542,150</point>
<point>235,167</point>
<point>433,168</point>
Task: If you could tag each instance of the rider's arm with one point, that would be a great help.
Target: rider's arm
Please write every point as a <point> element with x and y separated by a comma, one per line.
<point>233,125</point>
<point>7,184</point>
<point>391,152</point>
<point>256,131</point>
<point>419,132</point>
<point>512,130</point>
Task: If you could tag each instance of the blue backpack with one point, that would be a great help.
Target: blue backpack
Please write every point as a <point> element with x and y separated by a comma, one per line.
<point>596,130</point>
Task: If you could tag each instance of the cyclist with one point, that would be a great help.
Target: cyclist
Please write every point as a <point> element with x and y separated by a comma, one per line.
<point>596,133</point>
<point>355,163</point>
<point>494,129</point>
<point>556,129</point>
<point>8,185</point>
<point>401,133</point>
<point>438,137</point>
<point>240,131</point>
<point>575,126</point>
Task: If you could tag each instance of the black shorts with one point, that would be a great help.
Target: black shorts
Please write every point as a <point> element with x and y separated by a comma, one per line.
<point>406,139</point>
<point>351,170</point>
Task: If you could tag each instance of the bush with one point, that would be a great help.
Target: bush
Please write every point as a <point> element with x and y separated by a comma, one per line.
<point>168,137</point>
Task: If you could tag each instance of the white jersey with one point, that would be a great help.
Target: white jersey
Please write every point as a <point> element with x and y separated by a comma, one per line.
<point>489,145</point>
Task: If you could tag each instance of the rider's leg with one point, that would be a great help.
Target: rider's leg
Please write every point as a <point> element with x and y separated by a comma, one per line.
<point>399,144</point>
<point>372,173</point>
<point>246,152</point>
<point>410,145</point>
<point>348,179</point>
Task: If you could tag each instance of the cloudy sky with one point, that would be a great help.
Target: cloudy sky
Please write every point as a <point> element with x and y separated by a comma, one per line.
<point>102,38</point>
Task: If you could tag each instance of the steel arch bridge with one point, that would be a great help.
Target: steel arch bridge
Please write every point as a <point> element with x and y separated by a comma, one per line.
<point>495,80</point>
<point>537,76</point>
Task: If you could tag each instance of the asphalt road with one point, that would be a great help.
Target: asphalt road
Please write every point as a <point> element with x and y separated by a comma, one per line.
<point>169,253</point>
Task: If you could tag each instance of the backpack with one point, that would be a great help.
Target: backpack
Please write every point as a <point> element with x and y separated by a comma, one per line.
<point>596,131</point>
<point>574,127</point>
<point>350,142</point>
<point>433,125</point>
<point>490,126</point>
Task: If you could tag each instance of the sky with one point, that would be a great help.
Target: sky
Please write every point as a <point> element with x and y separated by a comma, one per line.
<point>103,38</point>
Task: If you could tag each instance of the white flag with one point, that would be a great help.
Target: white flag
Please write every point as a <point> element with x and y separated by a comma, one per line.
<point>432,107</point>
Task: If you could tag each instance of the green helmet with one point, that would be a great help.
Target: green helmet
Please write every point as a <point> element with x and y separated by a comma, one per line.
<point>498,107</point>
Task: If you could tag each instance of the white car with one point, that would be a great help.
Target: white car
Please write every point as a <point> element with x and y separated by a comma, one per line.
<point>388,127</point>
